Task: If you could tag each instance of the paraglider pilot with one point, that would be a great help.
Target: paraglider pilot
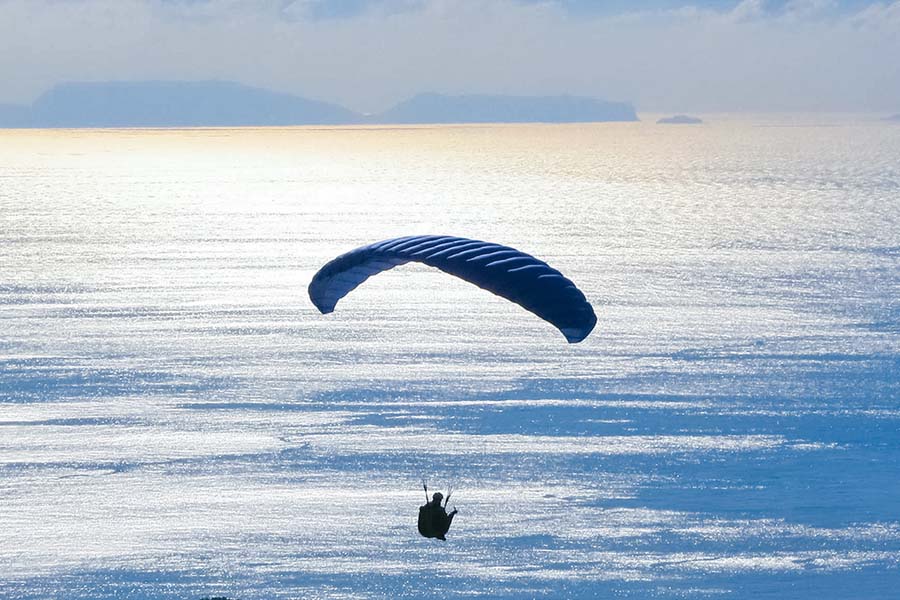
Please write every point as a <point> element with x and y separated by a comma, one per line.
<point>434,522</point>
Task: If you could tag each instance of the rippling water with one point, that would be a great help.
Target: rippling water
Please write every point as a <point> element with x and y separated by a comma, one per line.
<point>178,421</point>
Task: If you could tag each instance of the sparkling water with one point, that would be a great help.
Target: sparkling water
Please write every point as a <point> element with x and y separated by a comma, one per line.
<point>178,421</point>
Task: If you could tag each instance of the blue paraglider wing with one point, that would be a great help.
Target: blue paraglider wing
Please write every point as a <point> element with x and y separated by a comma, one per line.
<point>504,271</point>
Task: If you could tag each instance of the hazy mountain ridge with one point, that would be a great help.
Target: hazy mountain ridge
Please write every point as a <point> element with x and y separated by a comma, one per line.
<point>168,104</point>
<point>483,108</point>
<point>228,104</point>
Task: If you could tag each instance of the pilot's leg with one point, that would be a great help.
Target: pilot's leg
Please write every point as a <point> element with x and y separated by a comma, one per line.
<point>450,519</point>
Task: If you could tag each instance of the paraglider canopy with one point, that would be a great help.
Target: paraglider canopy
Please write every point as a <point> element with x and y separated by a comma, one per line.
<point>504,271</point>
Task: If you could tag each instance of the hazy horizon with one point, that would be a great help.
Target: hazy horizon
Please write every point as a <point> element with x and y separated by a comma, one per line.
<point>646,112</point>
<point>663,56</point>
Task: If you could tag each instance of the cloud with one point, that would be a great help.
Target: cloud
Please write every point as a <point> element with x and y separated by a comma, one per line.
<point>747,10</point>
<point>808,9</point>
<point>367,54</point>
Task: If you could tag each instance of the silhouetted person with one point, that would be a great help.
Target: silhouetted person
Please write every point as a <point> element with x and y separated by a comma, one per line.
<point>434,522</point>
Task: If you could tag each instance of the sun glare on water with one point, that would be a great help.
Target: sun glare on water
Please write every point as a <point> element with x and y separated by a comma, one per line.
<point>177,419</point>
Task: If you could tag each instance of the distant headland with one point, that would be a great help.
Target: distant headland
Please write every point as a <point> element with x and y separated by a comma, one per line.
<point>228,104</point>
<point>893,118</point>
<point>438,108</point>
<point>680,120</point>
<point>173,104</point>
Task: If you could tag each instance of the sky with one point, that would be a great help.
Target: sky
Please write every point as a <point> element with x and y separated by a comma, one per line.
<point>661,55</point>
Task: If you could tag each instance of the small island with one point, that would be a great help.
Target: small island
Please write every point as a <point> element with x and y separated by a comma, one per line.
<point>895,118</point>
<point>680,120</point>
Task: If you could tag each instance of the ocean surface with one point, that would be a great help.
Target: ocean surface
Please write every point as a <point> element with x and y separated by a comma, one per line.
<point>177,420</point>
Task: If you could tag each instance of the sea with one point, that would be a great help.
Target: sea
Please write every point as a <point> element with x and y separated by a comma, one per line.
<point>178,421</point>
